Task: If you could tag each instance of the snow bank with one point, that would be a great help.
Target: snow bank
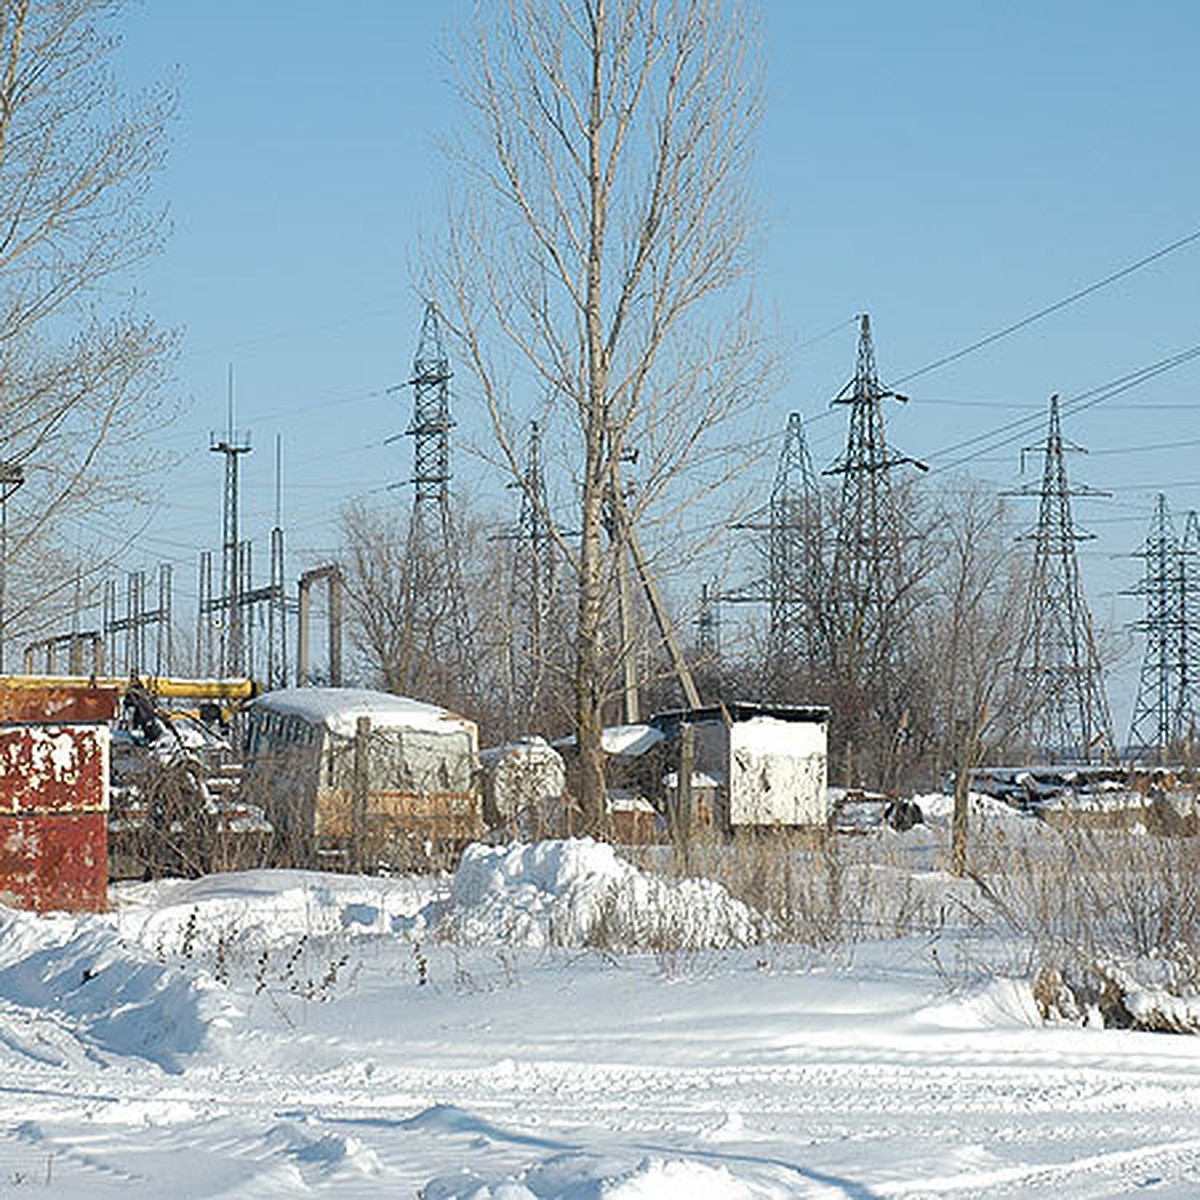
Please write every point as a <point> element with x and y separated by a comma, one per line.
<point>579,893</point>
<point>582,1179</point>
<point>264,907</point>
<point>106,999</point>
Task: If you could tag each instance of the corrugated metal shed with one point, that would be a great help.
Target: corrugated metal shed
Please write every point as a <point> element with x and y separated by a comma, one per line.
<point>54,744</point>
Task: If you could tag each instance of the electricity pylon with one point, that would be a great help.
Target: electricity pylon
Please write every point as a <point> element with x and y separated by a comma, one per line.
<point>794,577</point>
<point>533,590</point>
<point>1163,720</point>
<point>437,632</point>
<point>869,604</point>
<point>1189,549</point>
<point>1070,718</point>
<point>794,564</point>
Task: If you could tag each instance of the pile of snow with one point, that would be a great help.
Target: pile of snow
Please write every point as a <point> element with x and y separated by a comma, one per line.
<point>582,1177</point>
<point>264,907</point>
<point>105,999</point>
<point>580,893</point>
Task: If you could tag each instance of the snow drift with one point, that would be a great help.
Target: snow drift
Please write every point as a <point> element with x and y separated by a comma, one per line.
<point>580,893</point>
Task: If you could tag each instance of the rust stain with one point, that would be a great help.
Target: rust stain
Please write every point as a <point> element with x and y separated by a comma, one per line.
<point>60,705</point>
<point>55,862</point>
<point>54,796</point>
<point>52,769</point>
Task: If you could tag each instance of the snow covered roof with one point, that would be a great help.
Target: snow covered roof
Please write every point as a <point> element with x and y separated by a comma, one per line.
<point>338,709</point>
<point>626,740</point>
<point>630,739</point>
<point>530,748</point>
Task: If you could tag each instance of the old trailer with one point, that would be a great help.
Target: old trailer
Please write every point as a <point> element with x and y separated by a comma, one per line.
<point>354,778</point>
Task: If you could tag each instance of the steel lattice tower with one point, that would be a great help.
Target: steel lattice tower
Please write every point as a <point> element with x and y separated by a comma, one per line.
<point>794,565</point>
<point>1059,657</point>
<point>533,587</point>
<point>866,582</point>
<point>232,657</point>
<point>708,624</point>
<point>1163,716</point>
<point>436,614</point>
<point>794,574</point>
<point>1189,552</point>
<point>431,422</point>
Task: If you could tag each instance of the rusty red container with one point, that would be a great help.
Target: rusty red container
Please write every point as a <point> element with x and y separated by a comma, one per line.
<point>54,760</point>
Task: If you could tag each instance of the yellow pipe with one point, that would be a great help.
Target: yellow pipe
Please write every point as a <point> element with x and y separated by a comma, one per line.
<point>171,687</point>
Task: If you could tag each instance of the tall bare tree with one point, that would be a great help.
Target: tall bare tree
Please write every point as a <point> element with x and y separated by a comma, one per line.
<point>401,647</point>
<point>600,256</point>
<point>79,365</point>
<point>971,643</point>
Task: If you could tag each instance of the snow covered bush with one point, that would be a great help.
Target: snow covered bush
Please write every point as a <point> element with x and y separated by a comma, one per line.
<point>1113,916</point>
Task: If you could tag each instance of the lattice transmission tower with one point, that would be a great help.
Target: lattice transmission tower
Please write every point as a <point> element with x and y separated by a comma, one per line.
<point>1070,717</point>
<point>708,624</point>
<point>229,609</point>
<point>794,563</point>
<point>1189,550</point>
<point>867,596</point>
<point>794,577</point>
<point>534,587</point>
<point>1164,716</point>
<point>437,632</point>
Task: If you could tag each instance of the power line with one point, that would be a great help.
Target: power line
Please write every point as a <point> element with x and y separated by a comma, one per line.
<point>1011,431</point>
<point>1058,305</point>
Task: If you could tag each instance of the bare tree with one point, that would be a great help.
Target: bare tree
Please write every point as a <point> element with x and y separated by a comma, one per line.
<point>400,647</point>
<point>600,257</point>
<point>79,370</point>
<point>972,643</point>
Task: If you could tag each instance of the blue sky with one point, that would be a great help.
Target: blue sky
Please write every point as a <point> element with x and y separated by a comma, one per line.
<point>949,168</point>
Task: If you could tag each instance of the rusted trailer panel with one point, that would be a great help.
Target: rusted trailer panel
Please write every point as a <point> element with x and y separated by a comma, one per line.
<point>54,757</point>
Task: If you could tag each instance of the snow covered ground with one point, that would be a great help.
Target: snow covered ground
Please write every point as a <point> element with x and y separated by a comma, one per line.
<point>285,1034</point>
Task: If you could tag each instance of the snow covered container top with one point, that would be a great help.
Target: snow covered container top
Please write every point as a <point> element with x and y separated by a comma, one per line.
<point>54,764</point>
<point>770,760</point>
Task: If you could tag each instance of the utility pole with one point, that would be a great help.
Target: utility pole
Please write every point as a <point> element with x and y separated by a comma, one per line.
<point>1164,717</point>
<point>627,539</point>
<point>12,476</point>
<point>1059,659</point>
<point>205,614</point>
<point>276,599</point>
